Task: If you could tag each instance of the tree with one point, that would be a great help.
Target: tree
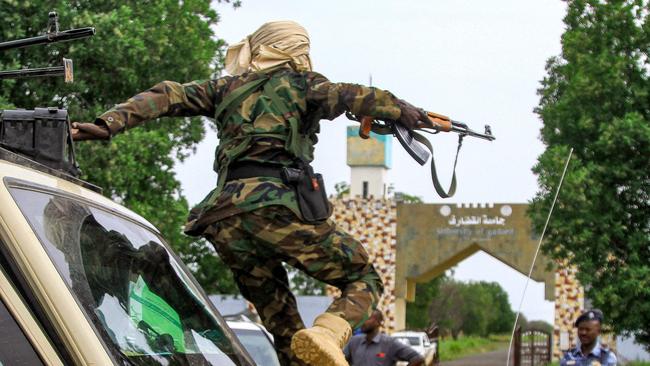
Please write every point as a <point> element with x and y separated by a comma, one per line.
<point>342,189</point>
<point>301,284</point>
<point>502,315</point>
<point>477,309</point>
<point>130,52</point>
<point>474,308</point>
<point>403,196</point>
<point>447,309</point>
<point>595,99</point>
<point>540,324</point>
<point>417,312</point>
<point>407,198</point>
<point>522,321</point>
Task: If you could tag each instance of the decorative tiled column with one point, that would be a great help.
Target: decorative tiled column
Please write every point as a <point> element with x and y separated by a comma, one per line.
<point>373,222</point>
<point>569,304</point>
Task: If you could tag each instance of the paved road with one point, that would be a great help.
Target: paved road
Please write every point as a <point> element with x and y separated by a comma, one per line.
<point>495,358</point>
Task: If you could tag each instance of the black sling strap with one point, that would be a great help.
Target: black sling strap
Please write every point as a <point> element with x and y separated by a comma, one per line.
<point>385,129</point>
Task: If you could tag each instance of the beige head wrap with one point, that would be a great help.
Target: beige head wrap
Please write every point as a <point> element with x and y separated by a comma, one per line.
<point>273,44</point>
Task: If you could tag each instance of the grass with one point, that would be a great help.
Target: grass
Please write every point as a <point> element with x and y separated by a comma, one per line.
<point>451,349</point>
<point>633,363</point>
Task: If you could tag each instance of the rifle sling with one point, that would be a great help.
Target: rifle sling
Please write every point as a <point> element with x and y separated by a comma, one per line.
<point>434,174</point>
<point>385,130</point>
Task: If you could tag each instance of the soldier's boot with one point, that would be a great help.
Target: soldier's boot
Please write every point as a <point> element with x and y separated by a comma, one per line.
<point>322,344</point>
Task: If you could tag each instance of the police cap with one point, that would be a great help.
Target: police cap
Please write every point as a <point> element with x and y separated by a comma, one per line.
<point>593,314</point>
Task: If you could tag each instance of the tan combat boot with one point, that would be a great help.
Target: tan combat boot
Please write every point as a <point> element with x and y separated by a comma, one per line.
<point>322,344</point>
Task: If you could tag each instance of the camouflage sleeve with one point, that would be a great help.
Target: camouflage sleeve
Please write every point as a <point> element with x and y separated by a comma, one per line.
<point>167,98</point>
<point>333,99</point>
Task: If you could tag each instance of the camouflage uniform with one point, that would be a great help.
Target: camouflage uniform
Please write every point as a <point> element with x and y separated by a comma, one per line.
<point>255,223</point>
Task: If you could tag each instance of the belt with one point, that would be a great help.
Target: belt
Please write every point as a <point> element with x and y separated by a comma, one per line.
<point>253,170</point>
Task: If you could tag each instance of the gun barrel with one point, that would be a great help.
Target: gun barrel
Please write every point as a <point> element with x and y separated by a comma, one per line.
<point>33,73</point>
<point>63,36</point>
<point>462,128</point>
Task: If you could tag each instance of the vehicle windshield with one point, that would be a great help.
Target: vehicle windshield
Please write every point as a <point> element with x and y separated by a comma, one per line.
<point>140,300</point>
<point>258,345</point>
<point>413,341</point>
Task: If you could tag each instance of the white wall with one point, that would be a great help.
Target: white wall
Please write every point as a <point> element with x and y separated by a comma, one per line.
<point>376,178</point>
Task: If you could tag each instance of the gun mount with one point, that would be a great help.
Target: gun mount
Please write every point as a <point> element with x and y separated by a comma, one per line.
<point>42,134</point>
<point>52,35</point>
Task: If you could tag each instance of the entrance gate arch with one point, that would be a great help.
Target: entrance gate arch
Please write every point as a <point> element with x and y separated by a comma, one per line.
<point>431,238</point>
<point>414,243</point>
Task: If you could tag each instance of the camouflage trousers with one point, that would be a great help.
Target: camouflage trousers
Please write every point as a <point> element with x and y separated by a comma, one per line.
<point>254,245</point>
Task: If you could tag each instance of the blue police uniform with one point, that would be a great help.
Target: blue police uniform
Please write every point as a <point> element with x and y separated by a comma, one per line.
<point>598,356</point>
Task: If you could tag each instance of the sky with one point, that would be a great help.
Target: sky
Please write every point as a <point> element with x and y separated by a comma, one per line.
<point>480,62</point>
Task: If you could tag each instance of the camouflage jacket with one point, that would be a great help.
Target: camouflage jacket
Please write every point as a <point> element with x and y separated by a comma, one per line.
<point>310,94</point>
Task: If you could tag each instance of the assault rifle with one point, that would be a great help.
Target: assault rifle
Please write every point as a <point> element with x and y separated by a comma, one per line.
<point>417,145</point>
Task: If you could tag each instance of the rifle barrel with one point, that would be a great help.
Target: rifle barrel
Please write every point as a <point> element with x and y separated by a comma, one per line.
<point>462,128</point>
<point>33,73</point>
<point>63,36</point>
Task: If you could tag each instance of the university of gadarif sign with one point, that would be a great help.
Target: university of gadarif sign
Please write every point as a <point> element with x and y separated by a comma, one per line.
<point>432,238</point>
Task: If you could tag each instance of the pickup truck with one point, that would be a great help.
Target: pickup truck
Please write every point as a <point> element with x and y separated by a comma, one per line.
<point>419,341</point>
<point>86,281</point>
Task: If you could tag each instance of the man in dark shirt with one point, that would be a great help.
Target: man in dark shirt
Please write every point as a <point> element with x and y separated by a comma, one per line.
<point>373,348</point>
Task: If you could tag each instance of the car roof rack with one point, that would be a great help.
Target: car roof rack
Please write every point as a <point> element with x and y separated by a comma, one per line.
<point>19,159</point>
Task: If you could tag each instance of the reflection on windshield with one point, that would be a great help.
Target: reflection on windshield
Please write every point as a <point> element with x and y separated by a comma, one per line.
<point>259,346</point>
<point>413,341</point>
<point>144,306</point>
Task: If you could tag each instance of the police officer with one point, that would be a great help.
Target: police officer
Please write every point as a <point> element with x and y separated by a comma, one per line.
<point>589,352</point>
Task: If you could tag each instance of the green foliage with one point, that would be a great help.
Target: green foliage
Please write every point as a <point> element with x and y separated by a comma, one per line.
<point>595,99</point>
<point>522,321</point>
<point>539,324</point>
<point>447,309</point>
<point>342,189</point>
<point>137,44</point>
<point>502,315</point>
<point>452,349</point>
<point>417,312</point>
<point>303,285</point>
<point>474,308</point>
<point>478,312</point>
<point>407,198</point>
<point>402,196</point>
<point>4,103</point>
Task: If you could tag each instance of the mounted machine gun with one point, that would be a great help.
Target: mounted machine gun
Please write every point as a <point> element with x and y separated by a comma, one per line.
<point>43,134</point>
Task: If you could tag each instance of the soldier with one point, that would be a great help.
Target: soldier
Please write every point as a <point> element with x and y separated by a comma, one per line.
<point>268,206</point>
<point>589,352</point>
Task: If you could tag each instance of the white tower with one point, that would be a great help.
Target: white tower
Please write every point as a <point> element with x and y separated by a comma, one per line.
<point>369,160</point>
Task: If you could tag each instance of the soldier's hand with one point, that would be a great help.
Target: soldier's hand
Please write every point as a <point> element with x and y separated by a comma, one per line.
<point>89,131</point>
<point>411,116</point>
